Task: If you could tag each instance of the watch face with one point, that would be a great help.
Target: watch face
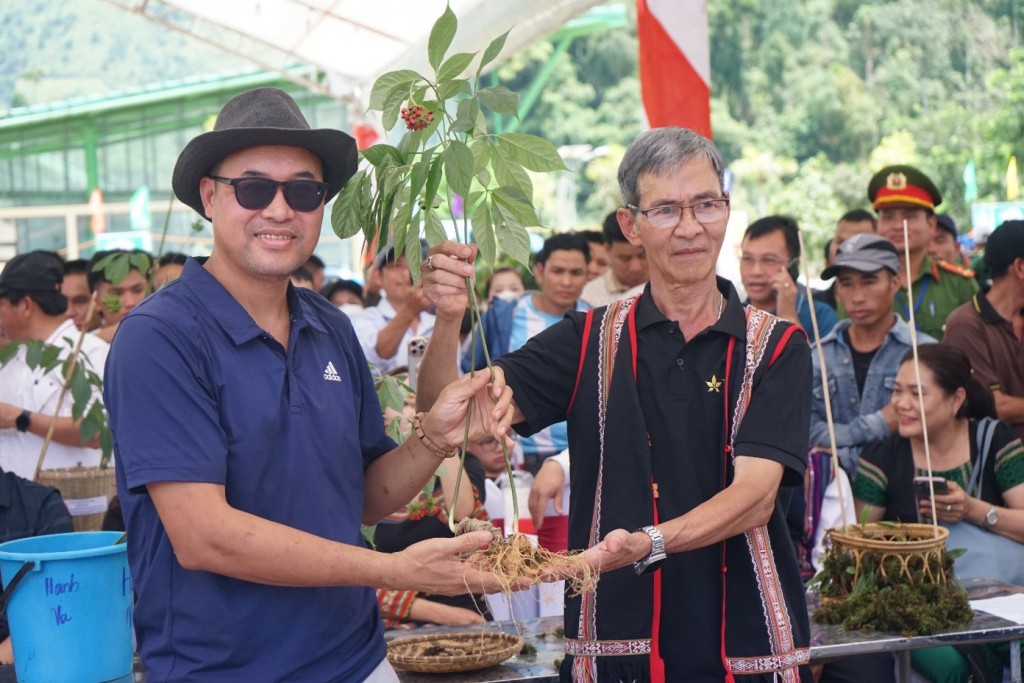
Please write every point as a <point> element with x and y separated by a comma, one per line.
<point>991,517</point>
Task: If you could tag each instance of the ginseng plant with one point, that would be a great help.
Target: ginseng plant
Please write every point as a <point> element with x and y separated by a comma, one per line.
<point>447,164</point>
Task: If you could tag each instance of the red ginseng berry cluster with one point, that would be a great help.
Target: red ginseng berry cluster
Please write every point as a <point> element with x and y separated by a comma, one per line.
<point>416,118</point>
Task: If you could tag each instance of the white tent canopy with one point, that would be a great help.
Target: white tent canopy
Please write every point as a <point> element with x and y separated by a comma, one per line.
<point>353,41</point>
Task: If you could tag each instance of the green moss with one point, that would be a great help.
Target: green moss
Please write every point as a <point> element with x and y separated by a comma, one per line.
<point>885,599</point>
<point>910,610</point>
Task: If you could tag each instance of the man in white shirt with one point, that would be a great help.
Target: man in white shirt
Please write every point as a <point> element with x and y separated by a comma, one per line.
<point>384,330</point>
<point>32,308</point>
<point>627,268</point>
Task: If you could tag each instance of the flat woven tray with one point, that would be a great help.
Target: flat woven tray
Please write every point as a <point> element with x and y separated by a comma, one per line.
<point>452,652</point>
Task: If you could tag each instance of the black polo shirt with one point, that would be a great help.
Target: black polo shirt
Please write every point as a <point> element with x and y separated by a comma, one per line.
<point>681,385</point>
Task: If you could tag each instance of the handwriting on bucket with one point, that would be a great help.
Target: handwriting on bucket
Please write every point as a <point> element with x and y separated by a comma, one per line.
<point>53,587</point>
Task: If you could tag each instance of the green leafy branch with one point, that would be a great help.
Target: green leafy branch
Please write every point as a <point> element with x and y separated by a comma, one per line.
<point>78,379</point>
<point>446,152</point>
<point>115,268</point>
<point>446,158</point>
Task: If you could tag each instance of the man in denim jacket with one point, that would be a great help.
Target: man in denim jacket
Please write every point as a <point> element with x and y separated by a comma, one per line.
<point>863,351</point>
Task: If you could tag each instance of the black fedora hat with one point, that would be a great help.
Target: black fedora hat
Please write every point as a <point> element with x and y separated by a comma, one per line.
<point>263,116</point>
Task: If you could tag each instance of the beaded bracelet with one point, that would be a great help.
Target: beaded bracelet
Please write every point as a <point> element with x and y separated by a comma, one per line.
<point>432,446</point>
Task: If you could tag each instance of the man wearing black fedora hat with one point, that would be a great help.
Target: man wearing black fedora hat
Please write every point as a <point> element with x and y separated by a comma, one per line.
<point>249,439</point>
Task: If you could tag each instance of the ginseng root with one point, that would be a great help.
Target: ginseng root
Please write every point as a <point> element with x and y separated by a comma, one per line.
<point>516,557</point>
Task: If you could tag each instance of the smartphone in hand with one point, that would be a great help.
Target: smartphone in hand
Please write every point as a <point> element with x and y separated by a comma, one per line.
<point>923,488</point>
<point>417,347</point>
<point>793,268</point>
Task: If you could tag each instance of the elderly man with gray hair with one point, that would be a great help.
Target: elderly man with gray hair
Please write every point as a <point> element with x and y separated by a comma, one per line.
<point>686,412</point>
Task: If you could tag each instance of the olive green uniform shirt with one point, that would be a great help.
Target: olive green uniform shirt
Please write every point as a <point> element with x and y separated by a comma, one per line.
<point>938,289</point>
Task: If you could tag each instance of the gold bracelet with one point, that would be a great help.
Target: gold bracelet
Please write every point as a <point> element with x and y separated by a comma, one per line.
<point>417,426</point>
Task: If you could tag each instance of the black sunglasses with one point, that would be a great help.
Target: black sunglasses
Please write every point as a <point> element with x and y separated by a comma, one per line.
<point>256,193</point>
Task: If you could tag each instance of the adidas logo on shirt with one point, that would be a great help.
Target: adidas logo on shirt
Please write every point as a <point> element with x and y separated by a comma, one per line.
<point>330,373</point>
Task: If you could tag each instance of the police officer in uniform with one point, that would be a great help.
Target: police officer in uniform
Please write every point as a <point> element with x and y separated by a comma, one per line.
<point>903,193</point>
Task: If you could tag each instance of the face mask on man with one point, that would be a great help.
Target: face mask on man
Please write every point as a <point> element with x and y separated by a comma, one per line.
<point>508,295</point>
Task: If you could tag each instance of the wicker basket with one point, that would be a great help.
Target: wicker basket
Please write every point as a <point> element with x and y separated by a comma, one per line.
<point>452,652</point>
<point>914,547</point>
<point>87,492</point>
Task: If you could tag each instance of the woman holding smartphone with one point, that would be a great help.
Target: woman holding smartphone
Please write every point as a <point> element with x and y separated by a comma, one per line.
<point>954,405</point>
<point>977,460</point>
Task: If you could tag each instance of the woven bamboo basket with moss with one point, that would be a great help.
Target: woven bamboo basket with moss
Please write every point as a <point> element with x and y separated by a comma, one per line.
<point>87,492</point>
<point>890,577</point>
<point>907,552</point>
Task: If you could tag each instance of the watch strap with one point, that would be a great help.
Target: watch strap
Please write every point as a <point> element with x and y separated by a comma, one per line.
<point>657,554</point>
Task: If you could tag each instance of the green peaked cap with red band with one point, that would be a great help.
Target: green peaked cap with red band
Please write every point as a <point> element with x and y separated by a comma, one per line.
<point>902,185</point>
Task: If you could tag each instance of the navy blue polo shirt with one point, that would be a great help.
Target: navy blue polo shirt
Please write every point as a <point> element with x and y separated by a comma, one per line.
<point>198,392</point>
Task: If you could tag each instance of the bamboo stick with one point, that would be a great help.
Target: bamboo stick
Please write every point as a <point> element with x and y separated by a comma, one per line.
<point>824,380</point>
<point>64,389</point>
<point>917,374</point>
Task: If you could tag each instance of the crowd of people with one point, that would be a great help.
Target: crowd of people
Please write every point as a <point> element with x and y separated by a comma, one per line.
<point>255,447</point>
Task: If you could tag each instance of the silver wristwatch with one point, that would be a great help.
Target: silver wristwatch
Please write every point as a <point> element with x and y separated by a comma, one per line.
<point>657,556</point>
<point>991,517</point>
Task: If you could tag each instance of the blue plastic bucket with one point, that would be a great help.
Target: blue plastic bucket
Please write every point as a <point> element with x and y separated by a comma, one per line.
<point>70,613</point>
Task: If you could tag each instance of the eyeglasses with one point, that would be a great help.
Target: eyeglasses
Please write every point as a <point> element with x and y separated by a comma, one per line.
<point>256,193</point>
<point>768,262</point>
<point>669,215</point>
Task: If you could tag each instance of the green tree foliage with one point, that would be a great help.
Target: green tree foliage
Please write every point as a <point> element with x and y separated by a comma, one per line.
<point>809,99</point>
<point>842,87</point>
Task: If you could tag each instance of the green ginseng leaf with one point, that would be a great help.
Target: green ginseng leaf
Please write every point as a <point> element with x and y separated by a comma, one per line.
<point>392,106</point>
<point>106,442</point>
<point>376,154</point>
<point>34,353</point>
<point>441,36</point>
<point>512,201</point>
<point>433,228</point>
<point>531,152</point>
<point>483,232</point>
<point>465,116</point>
<point>481,156</point>
<point>7,352</point>
<point>434,176</point>
<point>348,214</point>
<point>418,175</point>
<point>481,150</point>
<point>391,393</point>
<point>89,427</point>
<point>81,394</point>
<point>117,268</point>
<point>509,173</point>
<point>410,143</point>
<point>413,249</point>
<point>500,100</point>
<point>492,51</point>
<point>510,233</point>
<point>453,87</point>
<point>140,262</point>
<point>51,358</point>
<point>458,167</point>
<point>454,66</point>
<point>388,83</point>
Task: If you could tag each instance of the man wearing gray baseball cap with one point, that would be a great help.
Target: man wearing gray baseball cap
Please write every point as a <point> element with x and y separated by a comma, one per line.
<point>863,352</point>
<point>250,443</point>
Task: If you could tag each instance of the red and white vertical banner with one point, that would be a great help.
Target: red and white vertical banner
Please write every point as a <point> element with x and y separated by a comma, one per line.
<point>675,63</point>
